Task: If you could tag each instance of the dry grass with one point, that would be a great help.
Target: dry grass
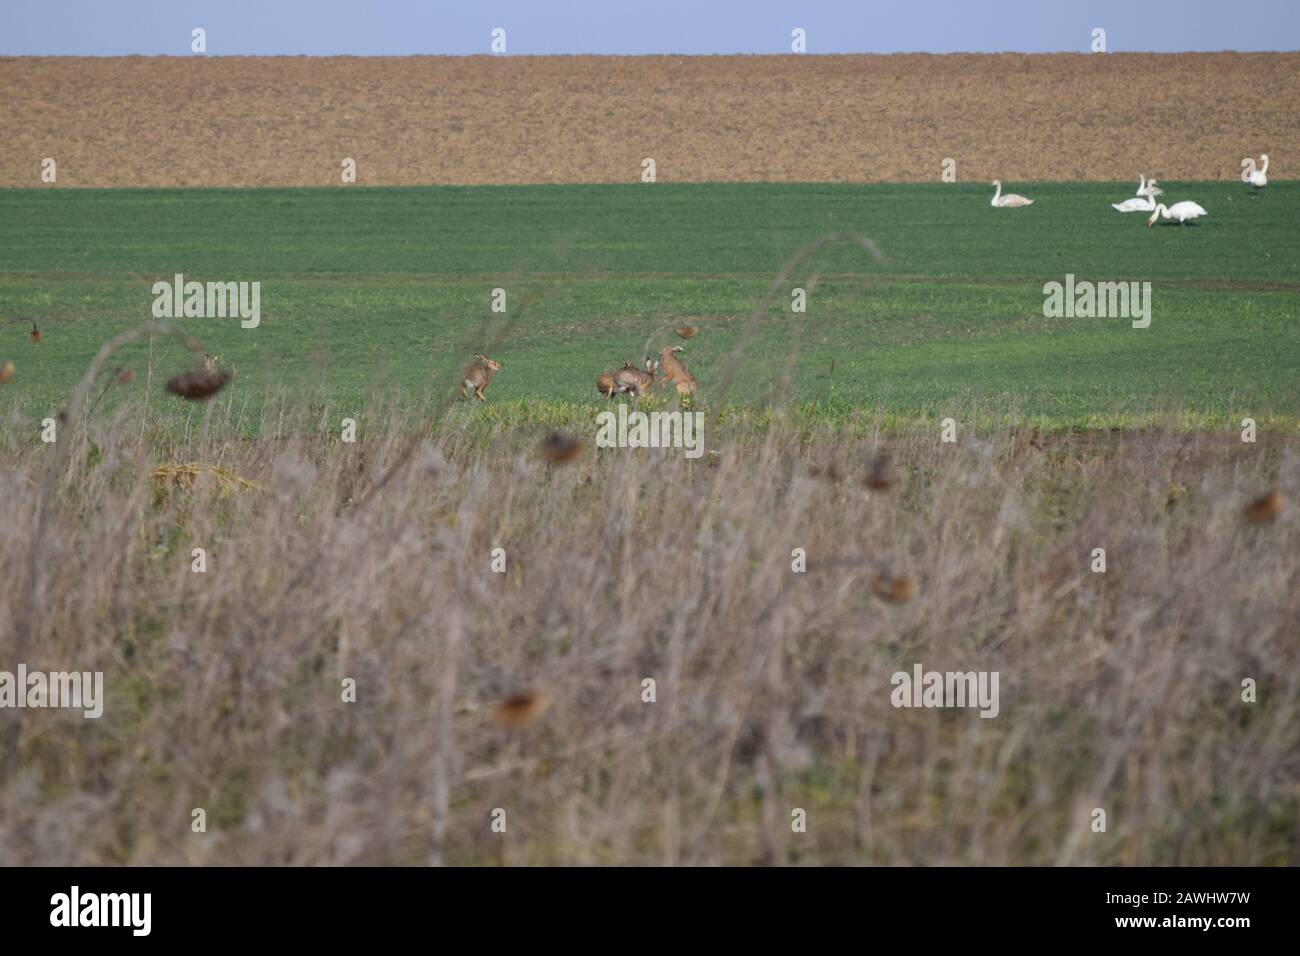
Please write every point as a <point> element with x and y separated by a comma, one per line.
<point>523,690</point>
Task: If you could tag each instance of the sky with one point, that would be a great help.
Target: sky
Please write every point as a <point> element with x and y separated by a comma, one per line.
<point>461,27</point>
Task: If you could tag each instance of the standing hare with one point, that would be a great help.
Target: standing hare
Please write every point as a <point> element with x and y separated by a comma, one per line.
<point>478,376</point>
<point>675,370</point>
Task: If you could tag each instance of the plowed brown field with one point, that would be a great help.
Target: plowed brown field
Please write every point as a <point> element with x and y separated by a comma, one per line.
<point>264,121</point>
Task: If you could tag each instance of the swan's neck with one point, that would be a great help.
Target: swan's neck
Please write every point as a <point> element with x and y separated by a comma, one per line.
<point>1142,183</point>
<point>1264,168</point>
<point>998,192</point>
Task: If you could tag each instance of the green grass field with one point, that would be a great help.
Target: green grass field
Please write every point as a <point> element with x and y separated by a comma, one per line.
<point>371,290</point>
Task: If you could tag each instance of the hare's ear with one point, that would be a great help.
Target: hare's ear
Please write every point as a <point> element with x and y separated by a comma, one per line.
<point>480,355</point>
<point>656,368</point>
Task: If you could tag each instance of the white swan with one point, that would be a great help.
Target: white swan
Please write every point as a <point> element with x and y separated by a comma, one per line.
<point>1147,187</point>
<point>1138,203</point>
<point>1259,177</point>
<point>1143,201</point>
<point>1010,199</point>
<point>1184,212</point>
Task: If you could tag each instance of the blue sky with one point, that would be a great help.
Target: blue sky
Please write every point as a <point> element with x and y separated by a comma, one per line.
<point>458,27</point>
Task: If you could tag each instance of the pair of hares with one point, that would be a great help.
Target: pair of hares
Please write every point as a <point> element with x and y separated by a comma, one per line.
<point>632,381</point>
<point>628,380</point>
<point>478,376</point>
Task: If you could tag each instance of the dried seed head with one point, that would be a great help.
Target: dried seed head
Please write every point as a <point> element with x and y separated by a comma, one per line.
<point>6,372</point>
<point>560,449</point>
<point>198,385</point>
<point>124,375</point>
<point>1264,510</point>
<point>880,474</point>
<point>893,590</point>
<point>520,710</point>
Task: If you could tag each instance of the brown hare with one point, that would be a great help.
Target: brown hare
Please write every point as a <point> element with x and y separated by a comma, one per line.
<point>675,370</point>
<point>605,381</point>
<point>634,382</point>
<point>478,376</point>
